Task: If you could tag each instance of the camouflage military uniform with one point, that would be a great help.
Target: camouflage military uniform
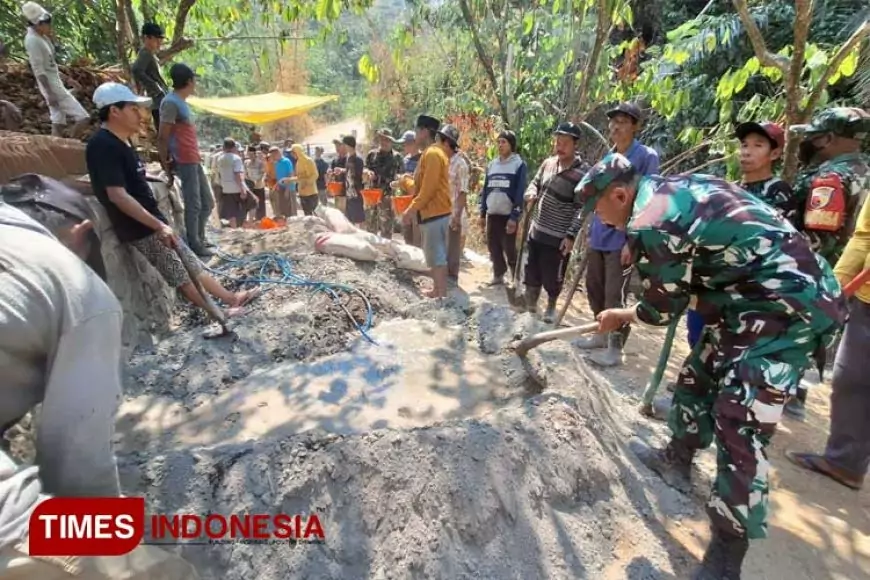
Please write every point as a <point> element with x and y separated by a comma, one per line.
<point>850,172</point>
<point>386,166</point>
<point>778,194</point>
<point>768,302</point>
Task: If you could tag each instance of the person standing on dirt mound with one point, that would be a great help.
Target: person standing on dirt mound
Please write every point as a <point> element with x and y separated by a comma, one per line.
<point>832,187</point>
<point>43,62</point>
<point>336,173</point>
<point>383,166</point>
<point>353,183</point>
<point>608,266</point>
<point>555,221</point>
<point>770,304</point>
<point>432,207</point>
<point>306,178</point>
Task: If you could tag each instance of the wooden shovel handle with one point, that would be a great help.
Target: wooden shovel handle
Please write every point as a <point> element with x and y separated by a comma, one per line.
<point>858,281</point>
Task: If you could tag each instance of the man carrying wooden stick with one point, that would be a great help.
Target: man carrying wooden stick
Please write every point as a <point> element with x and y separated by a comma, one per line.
<point>769,303</point>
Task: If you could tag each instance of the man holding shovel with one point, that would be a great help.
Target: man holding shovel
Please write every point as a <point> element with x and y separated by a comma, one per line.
<point>118,180</point>
<point>556,220</point>
<point>769,302</point>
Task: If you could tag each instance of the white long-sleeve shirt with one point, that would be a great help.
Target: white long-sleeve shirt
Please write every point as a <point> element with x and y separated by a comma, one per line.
<point>60,345</point>
<point>40,53</point>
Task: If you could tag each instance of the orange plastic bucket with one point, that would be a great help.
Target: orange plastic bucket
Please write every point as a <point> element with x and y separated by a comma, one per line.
<point>401,203</point>
<point>335,188</point>
<point>268,223</point>
<point>371,197</point>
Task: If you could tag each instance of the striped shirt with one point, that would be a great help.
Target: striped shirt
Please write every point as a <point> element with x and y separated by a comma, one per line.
<point>558,209</point>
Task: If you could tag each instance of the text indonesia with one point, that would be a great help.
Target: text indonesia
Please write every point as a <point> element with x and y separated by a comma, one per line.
<point>114,526</point>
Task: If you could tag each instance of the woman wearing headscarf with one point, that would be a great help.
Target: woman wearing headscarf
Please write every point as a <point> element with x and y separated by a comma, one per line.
<point>306,178</point>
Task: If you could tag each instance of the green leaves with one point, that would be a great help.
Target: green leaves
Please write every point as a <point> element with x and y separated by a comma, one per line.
<point>368,69</point>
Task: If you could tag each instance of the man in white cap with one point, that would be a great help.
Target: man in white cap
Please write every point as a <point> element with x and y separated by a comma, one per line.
<point>40,53</point>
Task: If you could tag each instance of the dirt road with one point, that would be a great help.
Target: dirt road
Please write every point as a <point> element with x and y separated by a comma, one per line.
<point>323,136</point>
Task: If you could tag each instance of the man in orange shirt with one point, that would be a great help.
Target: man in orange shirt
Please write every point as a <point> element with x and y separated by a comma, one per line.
<point>432,207</point>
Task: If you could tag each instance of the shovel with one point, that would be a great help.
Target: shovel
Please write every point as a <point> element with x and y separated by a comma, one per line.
<point>210,307</point>
<point>519,301</point>
<point>524,346</point>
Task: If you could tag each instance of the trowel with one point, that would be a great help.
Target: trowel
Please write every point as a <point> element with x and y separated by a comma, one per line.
<point>210,307</point>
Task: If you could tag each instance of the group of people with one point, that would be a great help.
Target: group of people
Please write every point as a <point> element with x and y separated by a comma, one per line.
<point>758,265</point>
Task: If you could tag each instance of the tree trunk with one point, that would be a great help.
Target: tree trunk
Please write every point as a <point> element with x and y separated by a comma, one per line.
<point>602,32</point>
<point>179,42</point>
<point>135,38</point>
<point>793,93</point>
<point>484,58</point>
<point>121,37</point>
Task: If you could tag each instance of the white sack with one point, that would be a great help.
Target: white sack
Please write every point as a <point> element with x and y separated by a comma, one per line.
<point>410,257</point>
<point>336,220</point>
<point>347,245</point>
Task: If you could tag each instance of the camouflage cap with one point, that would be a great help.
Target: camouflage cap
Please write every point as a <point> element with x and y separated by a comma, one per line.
<point>614,166</point>
<point>850,122</point>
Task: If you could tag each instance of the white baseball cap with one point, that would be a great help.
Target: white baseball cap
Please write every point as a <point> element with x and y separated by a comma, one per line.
<point>114,93</point>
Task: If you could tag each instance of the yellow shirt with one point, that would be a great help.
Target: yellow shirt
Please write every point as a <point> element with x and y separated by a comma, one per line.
<point>856,255</point>
<point>306,172</point>
<point>432,179</point>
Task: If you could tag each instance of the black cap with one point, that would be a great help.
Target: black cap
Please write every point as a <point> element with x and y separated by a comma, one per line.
<point>427,122</point>
<point>568,128</point>
<point>629,109</point>
<point>31,188</point>
<point>349,140</point>
<point>510,137</point>
<point>450,133</point>
<point>181,75</point>
<point>152,29</point>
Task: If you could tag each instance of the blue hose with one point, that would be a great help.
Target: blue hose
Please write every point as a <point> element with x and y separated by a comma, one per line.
<point>270,262</point>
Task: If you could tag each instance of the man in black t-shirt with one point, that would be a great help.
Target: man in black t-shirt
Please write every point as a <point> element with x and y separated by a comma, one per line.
<point>118,180</point>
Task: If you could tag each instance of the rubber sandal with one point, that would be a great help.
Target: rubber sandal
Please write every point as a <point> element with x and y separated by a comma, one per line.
<point>820,465</point>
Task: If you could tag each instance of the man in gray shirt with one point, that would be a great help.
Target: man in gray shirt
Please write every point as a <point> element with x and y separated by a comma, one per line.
<point>60,337</point>
<point>146,69</point>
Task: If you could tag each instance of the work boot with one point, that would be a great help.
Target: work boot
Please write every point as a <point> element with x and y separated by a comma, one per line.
<point>723,558</point>
<point>796,407</point>
<point>612,357</point>
<point>550,314</point>
<point>532,296</point>
<point>673,463</point>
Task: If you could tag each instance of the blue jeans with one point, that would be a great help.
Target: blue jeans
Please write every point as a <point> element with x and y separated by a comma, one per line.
<point>198,203</point>
<point>695,326</point>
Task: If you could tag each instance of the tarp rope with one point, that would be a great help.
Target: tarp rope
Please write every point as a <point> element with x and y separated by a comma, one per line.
<point>270,263</point>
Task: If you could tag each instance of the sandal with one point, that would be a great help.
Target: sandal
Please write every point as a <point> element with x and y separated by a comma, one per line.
<point>820,465</point>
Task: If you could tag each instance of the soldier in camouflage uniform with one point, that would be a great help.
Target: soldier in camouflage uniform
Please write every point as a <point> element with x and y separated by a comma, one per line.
<point>832,188</point>
<point>769,302</point>
<point>384,166</point>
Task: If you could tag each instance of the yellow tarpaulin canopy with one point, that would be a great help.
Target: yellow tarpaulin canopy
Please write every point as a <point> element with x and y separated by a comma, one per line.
<point>260,109</point>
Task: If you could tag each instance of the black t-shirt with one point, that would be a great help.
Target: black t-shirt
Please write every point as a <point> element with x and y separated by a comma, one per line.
<point>113,163</point>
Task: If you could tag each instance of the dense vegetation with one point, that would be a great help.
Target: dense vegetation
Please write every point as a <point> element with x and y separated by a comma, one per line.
<point>485,64</point>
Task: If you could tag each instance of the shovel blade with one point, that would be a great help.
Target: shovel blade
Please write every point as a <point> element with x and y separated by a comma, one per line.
<point>514,299</point>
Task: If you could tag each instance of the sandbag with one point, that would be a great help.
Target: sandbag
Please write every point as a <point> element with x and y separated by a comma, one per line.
<point>409,257</point>
<point>335,220</point>
<point>310,223</point>
<point>347,245</point>
<point>383,245</point>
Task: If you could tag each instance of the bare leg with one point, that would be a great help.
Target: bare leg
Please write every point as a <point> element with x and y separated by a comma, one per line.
<point>214,288</point>
<point>439,276</point>
<point>233,223</point>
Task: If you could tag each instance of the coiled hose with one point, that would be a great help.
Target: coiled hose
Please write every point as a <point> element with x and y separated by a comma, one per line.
<point>270,262</point>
